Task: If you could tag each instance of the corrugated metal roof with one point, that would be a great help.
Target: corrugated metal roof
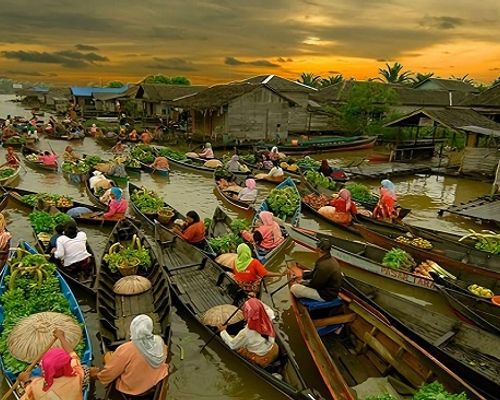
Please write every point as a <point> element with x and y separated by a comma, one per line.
<point>86,91</point>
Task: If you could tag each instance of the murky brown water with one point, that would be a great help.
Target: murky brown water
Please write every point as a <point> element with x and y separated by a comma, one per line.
<point>214,374</point>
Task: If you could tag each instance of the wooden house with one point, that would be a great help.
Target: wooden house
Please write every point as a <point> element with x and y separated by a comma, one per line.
<point>84,97</point>
<point>449,85</point>
<point>242,111</point>
<point>486,103</point>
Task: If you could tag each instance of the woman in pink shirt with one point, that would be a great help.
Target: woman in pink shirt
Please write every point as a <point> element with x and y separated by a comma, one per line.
<point>117,206</point>
<point>48,158</point>
<point>207,152</point>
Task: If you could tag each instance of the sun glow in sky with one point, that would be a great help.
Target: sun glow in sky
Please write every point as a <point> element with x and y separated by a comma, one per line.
<point>222,40</point>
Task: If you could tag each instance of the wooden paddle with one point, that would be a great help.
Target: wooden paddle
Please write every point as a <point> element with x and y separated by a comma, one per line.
<point>29,369</point>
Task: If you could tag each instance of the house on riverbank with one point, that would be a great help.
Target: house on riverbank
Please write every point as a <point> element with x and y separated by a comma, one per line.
<point>85,97</point>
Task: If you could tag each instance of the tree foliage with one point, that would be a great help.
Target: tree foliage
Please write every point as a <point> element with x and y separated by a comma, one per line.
<point>420,77</point>
<point>331,80</point>
<point>115,84</point>
<point>167,80</point>
<point>366,106</point>
<point>393,74</point>
<point>309,79</point>
<point>496,81</point>
<point>464,79</point>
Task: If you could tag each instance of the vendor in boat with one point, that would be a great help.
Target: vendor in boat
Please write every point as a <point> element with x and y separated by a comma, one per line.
<point>133,136</point>
<point>58,232</point>
<point>93,130</point>
<point>136,366</point>
<point>98,182</point>
<point>193,230</point>
<point>249,193</point>
<point>160,162</point>
<point>325,168</point>
<point>256,341</point>
<point>233,165</point>
<point>341,209</point>
<point>118,168</point>
<point>207,152</point>
<point>12,158</point>
<point>386,206</point>
<point>117,207</point>
<point>146,137</point>
<point>276,171</point>
<point>274,154</point>
<point>267,235</point>
<point>49,159</point>
<point>62,374</point>
<point>70,155</point>
<point>5,238</point>
<point>118,148</point>
<point>71,249</point>
<point>249,271</point>
<point>324,281</point>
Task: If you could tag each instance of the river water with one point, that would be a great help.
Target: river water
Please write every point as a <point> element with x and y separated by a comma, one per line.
<point>213,374</point>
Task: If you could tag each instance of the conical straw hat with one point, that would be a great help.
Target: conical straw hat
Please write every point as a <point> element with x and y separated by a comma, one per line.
<point>218,315</point>
<point>34,333</point>
<point>130,285</point>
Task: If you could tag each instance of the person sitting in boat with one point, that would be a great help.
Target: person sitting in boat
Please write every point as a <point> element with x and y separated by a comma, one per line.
<point>160,162</point>
<point>133,136</point>
<point>63,376</point>
<point>117,207</point>
<point>138,365</point>
<point>70,155</point>
<point>8,133</point>
<point>341,208</point>
<point>193,230</point>
<point>49,159</point>
<point>207,152</point>
<point>256,341</point>
<point>58,232</point>
<point>324,281</point>
<point>325,168</point>
<point>274,154</point>
<point>12,158</point>
<point>386,206</point>
<point>118,148</point>
<point>71,249</point>
<point>249,193</point>
<point>233,165</point>
<point>5,238</point>
<point>93,130</point>
<point>146,137</point>
<point>268,233</point>
<point>118,168</point>
<point>276,171</point>
<point>249,271</point>
<point>99,183</point>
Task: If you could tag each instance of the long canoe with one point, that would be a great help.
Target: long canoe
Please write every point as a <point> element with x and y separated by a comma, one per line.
<point>197,164</point>
<point>76,312</point>
<point>92,196</point>
<point>27,151</point>
<point>466,264</point>
<point>367,346</point>
<point>470,352</point>
<point>230,197</point>
<point>4,199</point>
<point>93,218</point>
<point>116,312</point>
<point>158,171</point>
<point>200,284</point>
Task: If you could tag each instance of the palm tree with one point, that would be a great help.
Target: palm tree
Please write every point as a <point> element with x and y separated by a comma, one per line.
<point>331,80</point>
<point>496,81</point>
<point>309,79</point>
<point>419,77</point>
<point>463,79</point>
<point>393,74</point>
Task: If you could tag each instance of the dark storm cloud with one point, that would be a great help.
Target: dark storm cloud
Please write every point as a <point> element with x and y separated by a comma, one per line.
<point>86,47</point>
<point>256,63</point>
<point>173,64</point>
<point>65,58</point>
<point>443,22</point>
<point>284,60</point>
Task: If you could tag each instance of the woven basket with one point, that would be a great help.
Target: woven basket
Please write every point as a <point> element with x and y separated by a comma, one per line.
<point>165,215</point>
<point>130,269</point>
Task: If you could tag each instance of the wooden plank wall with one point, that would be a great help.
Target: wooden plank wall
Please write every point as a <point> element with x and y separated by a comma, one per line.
<point>480,160</point>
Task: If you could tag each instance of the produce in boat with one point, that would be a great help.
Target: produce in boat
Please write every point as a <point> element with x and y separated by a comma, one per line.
<point>42,221</point>
<point>316,201</point>
<point>428,391</point>
<point>318,179</point>
<point>144,153</point>
<point>361,193</point>
<point>127,257</point>
<point>169,153</point>
<point>5,172</point>
<point>399,259</point>
<point>284,202</point>
<point>50,199</point>
<point>416,241</point>
<point>229,242</point>
<point>308,163</point>
<point>480,291</point>
<point>147,201</point>
<point>487,241</point>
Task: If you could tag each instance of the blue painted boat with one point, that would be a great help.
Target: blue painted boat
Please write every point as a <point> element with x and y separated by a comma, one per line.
<point>86,359</point>
<point>266,258</point>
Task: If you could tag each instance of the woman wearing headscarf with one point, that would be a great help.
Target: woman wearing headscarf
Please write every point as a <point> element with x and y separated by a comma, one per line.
<point>233,165</point>
<point>138,365</point>
<point>325,168</point>
<point>118,206</point>
<point>274,155</point>
<point>249,271</point>
<point>70,155</point>
<point>62,375</point>
<point>207,152</point>
<point>256,341</point>
<point>344,208</point>
<point>386,206</point>
<point>71,249</point>
<point>270,231</point>
<point>249,193</point>
<point>12,159</point>
<point>5,238</point>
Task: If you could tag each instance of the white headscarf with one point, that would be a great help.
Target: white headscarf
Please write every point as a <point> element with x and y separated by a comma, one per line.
<point>151,346</point>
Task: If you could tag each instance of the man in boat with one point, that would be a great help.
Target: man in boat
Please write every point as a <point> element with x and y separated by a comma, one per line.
<point>137,366</point>
<point>160,162</point>
<point>193,230</point>
<point>233,165</point>
<point>12,158</point>
<point>63,375</point>
<point>255,341</point>
<point>70,155</point>
<point>49,159</point>
<point>324,281</point>
<point>71,249</point>
<point>146,137</point>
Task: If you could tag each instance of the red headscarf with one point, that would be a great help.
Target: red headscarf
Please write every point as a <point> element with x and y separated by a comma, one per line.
<point>55,363</point>
<point>346,195</point>
<point>257,318</point>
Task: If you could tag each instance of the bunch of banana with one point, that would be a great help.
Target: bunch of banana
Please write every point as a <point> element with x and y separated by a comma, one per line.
<point>480,291</point>
<point>24,263</point>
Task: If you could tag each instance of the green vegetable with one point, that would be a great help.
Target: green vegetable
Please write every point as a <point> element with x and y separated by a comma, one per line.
<point>174,155</point>
<point>487,241</point>
<point>42,221</point>
<point>238,225</point>
<point>147,201</point>
<point>71,167</point>
<point>398,259</point>
<point>143,153</point>
<point>284,202</point>
<point>318,179</point>
<point>16,140</point>
<point>361,193</point>
<point>436,391</point>
<point>6,172</point>
<point>50,199</point>
<point>308,163</point>
<point>226,243</point>
<point>207,222</point>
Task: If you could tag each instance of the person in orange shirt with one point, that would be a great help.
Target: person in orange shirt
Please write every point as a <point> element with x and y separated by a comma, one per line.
<point>194,230</point>
<point>137,366</point>
<point>146,137</point>
<point>345,208</point>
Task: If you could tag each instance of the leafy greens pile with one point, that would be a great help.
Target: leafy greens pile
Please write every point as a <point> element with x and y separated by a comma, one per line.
<point>147,201</point>
<point>429,391</point>
<point>230,241</point>
<point>361,193</point>
<point>42,221</point>
<point>318,179</point>
<point>284,202</point>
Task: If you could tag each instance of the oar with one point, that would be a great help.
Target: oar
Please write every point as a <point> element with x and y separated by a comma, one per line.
<point>216,332</point>
<point>29,369</point>
<point>283,285</point>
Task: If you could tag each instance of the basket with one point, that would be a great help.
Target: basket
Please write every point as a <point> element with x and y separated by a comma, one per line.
<point>165,215</point>
<point>130,269</point>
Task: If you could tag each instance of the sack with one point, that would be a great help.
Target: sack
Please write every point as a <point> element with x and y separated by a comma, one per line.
<point>192,154</point>
<point>226,259</point>
<point>213,164</point>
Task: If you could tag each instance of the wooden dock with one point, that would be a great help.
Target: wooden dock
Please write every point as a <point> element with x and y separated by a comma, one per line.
<point>484,208</point>
<point>386,170</point>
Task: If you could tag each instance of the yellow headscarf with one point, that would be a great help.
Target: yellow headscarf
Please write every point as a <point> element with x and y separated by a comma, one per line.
<point>244,257</point>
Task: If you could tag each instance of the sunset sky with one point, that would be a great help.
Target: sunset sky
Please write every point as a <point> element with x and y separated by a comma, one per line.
<point>222,40</point>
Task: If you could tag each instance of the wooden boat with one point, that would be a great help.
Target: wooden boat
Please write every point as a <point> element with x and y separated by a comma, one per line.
<point>93,218</point>
<point>116,312</point>
<point>149,219</point>
<point>264,206</point>
<point>482,312</point>
<point>11,178</point>
<point>200,284</point>
<point>159,171</point>
<point>370,356</point>
<point>36,164</point>
<point>230,196</point>
<point>18,143</point>
<point>327,144</point>
<point>468,265</point>
<point>196,164</point>
<point>92,196</point>
<point>85,360</point>
<point>4,199</point>
<point>470,352</point>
